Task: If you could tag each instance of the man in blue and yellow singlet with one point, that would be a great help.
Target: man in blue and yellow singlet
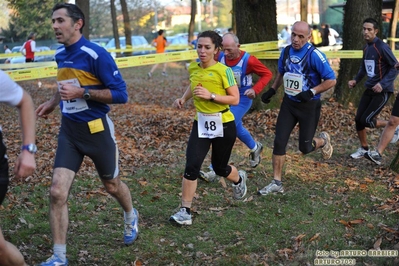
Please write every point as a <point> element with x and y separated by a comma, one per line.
<point>88,80</point>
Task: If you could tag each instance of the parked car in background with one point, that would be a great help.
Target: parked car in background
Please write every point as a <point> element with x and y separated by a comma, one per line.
<point>177,43</point>
<point>38,58</point>
<point>16,49</point>
<point>55,46</point>
<point>101,41</point>
<point>138,42</point>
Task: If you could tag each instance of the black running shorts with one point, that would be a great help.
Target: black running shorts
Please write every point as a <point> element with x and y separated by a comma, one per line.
<point>75,141</point>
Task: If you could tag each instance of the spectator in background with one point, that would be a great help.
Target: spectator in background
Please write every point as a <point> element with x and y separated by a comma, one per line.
<point>333,34</point>
<point>7,51</point>
<point>286,35</point>
<point>230,30</point>
<point>316,36</point>
<point>28,49</point>
<point>160,44</point>
<point>325,32</point>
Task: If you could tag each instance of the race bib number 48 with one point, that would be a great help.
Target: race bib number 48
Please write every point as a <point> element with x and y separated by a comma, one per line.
<point>210,125</point>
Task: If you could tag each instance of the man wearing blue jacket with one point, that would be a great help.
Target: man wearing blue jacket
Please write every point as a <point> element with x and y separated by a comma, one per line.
<point>379,66</point>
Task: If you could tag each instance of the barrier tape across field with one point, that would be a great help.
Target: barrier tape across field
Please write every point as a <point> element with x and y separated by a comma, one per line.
<point>262,50</point>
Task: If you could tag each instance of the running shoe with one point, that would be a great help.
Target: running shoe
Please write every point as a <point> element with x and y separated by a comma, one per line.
<point>254,156</point>
<point>131,230</point>
<point>359,153</point>
<point>240,189</point>
<point>374,156</point>
<point>210,176</point>
<point>54,261</point>
<point>327,149</point>
<point>395,137</point>
<point>181,217</point>
<point>271,188</point>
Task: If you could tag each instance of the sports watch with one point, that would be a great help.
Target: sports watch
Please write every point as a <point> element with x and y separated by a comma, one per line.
<point>86,94</point>
<point>213,96</point>
<point>30,148</point>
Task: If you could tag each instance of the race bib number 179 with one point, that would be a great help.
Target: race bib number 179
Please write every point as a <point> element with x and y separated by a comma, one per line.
<point>292,83</point>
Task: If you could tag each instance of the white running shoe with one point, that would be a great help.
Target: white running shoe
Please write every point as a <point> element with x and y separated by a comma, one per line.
<point>359,153</point>
<point>181,217</point>
<point>395,137</point>
<point>240,190</point>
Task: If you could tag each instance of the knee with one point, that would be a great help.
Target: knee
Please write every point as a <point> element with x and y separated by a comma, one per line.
<point>58,194</point>
<point>305,149</point>
<point>112,187</point>
<point>190,177</point>
<point>3,248</point>
<point>225,172</point>
<point>393,122</point>
<point>279,148</point>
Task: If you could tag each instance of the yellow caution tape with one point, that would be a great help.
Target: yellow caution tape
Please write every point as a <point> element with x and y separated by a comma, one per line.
<point>27,65</point>
<point>33,73</point>
<point>260,50</point>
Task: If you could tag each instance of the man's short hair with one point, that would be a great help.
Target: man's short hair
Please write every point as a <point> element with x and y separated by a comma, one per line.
<point>372,21</point>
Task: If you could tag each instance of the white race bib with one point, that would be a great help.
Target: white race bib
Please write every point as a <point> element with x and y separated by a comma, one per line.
<point>74,105</point>
<point>370,67</point>
<point>237,76</point>
<point>210,125</point>
<point>292,83</point>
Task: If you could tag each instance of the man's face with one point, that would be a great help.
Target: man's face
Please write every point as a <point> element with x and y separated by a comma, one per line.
<point>300,35</point>
<point>369,32</point>
<point>66,31</point>
<point>230,48</point>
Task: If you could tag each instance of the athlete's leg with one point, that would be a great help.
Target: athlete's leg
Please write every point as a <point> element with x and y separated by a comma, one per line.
<point>9,254</point>
<point>239,111</point>
<point>286,121</point>
<point>60,186</point>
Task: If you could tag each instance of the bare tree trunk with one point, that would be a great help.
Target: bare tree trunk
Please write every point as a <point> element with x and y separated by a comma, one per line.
<point>84,5</point>
<point>233,18</point>
<point>251,19</point>
<point>191,25</point>
<point>354,14</point>
<point>115,27</point>
<point>126,26</point>
<point>304,10</point>
<point>394,23</point>
<point>323,6</point>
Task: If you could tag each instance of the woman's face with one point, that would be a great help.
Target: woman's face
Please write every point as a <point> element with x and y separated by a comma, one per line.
<point>206,49</point>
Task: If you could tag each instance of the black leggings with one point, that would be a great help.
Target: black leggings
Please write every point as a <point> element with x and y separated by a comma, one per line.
<point>306,114</point>
<point>197,149</point>
<point>4,178</point>
<point>370,106</point>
